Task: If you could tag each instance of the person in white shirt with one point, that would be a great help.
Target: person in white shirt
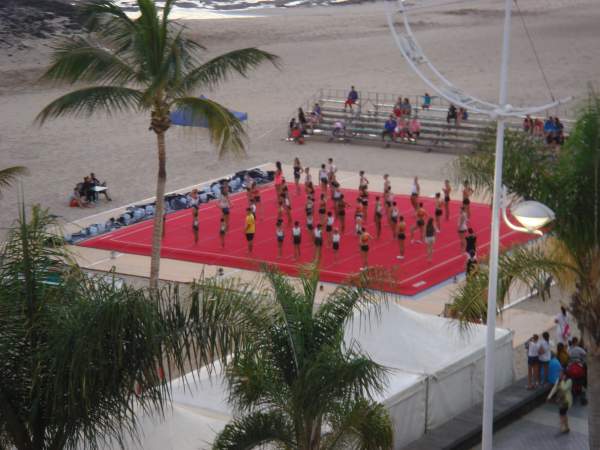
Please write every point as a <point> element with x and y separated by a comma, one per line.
<point>336,237</point>
<point>563,328</point>
<point>318,242</point>
<point>533,349</point>
<point>297,239</point>
<point>331,170</point>
<point>544,356</point>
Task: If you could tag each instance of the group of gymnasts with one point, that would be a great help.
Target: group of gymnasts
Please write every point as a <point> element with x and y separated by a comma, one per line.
<point>326,213</point>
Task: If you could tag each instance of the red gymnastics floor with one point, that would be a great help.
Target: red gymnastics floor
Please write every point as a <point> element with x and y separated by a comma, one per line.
<point>409,276</point>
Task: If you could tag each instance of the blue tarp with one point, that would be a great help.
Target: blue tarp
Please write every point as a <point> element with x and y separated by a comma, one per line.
<point>183,117</point>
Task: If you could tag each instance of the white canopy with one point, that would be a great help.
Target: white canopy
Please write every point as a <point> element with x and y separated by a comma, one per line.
<point>438,373</point>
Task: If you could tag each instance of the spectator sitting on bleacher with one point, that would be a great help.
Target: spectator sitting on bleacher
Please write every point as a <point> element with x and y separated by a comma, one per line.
<point>315,116</point>
<point>398,107</point>
<point>549,130</point>
<point>352,98</point>
<point>414,128</point>
<point>426,101</point>
<point>388,129</point>
<point>538,127</point>
<point>451,114</point>
<point>302,121</point>
<point>339,129</point>
<point>406,108</point>
<point>559,127</point>
<point>401,129</point>
<point>461,115</point>
<point>528,124</point>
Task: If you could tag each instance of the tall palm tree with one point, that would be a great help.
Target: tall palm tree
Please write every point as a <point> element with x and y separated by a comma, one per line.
<point>147,64</point>
<point>297,384</point>
<point>80,357</point>
<point>568,181</point>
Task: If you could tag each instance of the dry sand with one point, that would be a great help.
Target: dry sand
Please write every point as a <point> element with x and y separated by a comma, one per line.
<point>320,48</point>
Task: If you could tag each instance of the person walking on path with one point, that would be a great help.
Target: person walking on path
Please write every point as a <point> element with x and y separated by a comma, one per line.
<point>563,329</point>
<point>561,393</point>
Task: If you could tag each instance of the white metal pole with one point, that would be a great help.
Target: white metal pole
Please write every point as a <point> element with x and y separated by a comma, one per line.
<point>488,383</point>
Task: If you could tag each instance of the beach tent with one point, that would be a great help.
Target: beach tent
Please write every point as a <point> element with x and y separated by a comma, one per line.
<point>438,369</point>
<point>183,117</point>
<point>437,374</point>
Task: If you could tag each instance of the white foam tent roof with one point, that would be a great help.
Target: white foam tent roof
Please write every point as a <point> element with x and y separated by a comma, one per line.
<point>437,373</point>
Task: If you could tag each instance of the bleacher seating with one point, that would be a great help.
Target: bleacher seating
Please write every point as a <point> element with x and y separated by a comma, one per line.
<point>365,122</point>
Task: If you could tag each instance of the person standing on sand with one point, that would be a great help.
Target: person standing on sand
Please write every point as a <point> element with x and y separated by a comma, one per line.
<point>297,173</point>
<point>250,228</point>
<point>414,193</point>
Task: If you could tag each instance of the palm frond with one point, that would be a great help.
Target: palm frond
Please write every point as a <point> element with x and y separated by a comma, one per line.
<point>78,59</point>
<point>226,131</point>
<point>530,266</point>
<point>527,164</point>
<point>10,174</point>
<point>220,68</point>
<point>255,430</point>
<point>339,307</point>
<point>360,425</point>
<point>106,99</point>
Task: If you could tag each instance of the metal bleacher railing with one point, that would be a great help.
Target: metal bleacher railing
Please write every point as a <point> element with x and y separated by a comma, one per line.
<point>365,121</point>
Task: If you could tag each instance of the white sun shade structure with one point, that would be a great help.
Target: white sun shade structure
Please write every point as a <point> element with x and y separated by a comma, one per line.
<point>422,66</point>
<point>437,373</point>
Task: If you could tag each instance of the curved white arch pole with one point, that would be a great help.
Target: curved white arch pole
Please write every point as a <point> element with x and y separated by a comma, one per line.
<point>414,55</point>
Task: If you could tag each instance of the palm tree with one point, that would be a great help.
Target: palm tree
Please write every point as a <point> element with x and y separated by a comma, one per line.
<point>146,64</point>
<point>81,357</point>
<point>297,384</point>
<point>568,181</point>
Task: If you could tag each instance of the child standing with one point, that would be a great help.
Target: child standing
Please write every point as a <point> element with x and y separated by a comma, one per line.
<point>279,234</point>
<point>222,231</point>
<point>195,223</point>
<point>335,238</point>
<point>329,226</point>
<point>297,236</point>
<point>318,242</point>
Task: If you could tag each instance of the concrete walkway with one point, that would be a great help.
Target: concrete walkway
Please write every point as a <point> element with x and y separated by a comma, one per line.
<point>539,430</point>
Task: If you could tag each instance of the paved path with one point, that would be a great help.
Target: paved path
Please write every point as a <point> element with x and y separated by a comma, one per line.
<point>539,430</point>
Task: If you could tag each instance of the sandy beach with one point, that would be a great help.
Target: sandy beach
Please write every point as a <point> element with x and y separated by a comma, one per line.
<point>321,47</point>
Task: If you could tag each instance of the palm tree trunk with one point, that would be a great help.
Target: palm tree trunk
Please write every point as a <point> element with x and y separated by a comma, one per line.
<point>159,213</point>
<point>593,376</point>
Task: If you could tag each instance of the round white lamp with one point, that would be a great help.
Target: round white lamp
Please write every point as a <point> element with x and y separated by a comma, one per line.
<point>531,215</point>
